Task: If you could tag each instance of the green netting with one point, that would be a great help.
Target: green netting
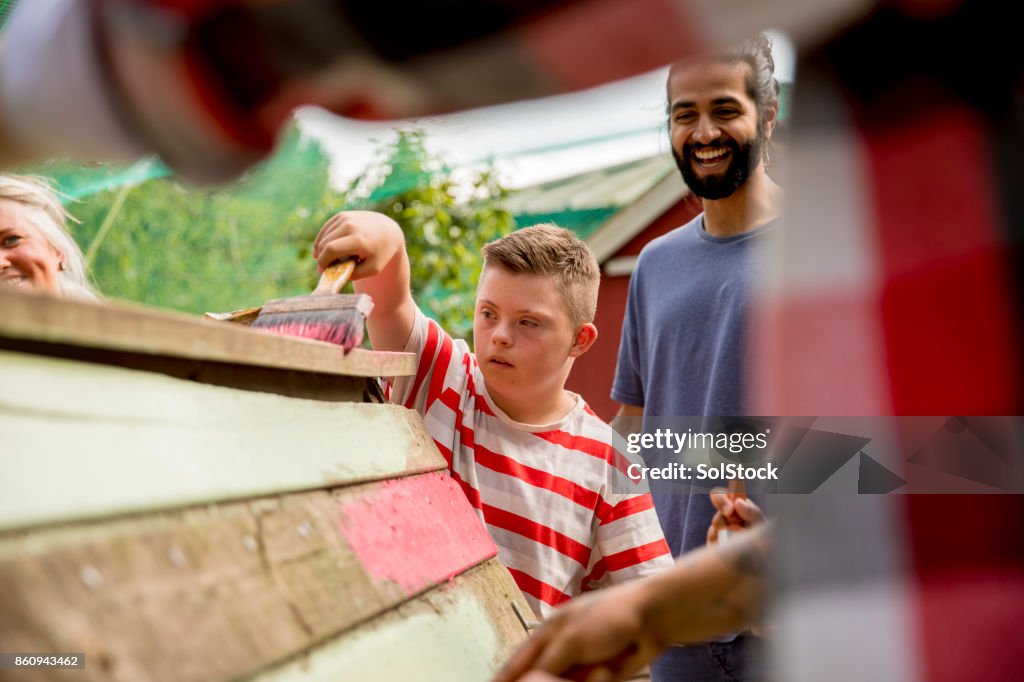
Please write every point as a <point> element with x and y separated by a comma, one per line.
<point>583,222</point>
<point>6,7</point>
<point>78,182</point>
<point>164,243</point>
<point>407,170</point>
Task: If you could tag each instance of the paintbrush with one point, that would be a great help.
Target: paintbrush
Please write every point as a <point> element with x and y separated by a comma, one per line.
<point>324,315</point>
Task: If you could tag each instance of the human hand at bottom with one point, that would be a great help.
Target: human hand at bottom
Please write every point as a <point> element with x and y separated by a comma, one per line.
<point>599,637</point>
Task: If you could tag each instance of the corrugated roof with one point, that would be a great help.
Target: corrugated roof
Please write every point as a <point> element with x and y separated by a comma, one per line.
<point>585,202</point>
<point>604,188</point>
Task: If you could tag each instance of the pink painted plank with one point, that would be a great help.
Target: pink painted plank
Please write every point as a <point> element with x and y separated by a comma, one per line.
<point>416,531</point>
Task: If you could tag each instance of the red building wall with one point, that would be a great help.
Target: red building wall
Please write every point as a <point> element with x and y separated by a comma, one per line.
<point>594,371</point>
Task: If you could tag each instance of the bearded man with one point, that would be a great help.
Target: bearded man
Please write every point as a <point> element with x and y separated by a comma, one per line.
<point>684,336</point>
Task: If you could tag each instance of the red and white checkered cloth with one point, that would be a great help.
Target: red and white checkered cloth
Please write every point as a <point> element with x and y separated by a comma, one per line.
<point>897,291</point>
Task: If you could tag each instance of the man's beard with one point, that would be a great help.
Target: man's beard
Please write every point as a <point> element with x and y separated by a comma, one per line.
<point>743,160</point>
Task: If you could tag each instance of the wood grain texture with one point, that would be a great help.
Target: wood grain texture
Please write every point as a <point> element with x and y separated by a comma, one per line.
<point>128,327</point>
<point>219,592</point>
<point>461,632</point>
<point>171,526</point>
<point>287,382</point>
<point>84,440</point>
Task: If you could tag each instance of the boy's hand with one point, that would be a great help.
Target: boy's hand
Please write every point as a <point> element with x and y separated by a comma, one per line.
<point>372,238</point>
<point>382,270</point>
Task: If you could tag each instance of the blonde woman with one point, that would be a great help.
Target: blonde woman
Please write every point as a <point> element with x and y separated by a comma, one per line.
<point>35,247</point>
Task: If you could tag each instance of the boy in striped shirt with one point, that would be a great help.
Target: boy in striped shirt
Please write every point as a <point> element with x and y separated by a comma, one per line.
<point>534,460</point>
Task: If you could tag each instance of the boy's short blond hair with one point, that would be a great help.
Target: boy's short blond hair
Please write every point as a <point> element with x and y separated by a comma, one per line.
<point>558,253</point>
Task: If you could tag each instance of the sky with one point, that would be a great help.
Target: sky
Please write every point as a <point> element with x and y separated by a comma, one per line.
<point>530,141</point>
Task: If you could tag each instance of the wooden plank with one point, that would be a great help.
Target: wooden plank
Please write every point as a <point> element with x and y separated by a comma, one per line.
<point>287,382</point>
<point>215,593</point>
<point>459,633</point>
<point>30,316</point>
<point>84,440</point>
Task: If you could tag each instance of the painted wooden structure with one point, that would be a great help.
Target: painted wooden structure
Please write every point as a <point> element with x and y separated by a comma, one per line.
<point>182,499</point>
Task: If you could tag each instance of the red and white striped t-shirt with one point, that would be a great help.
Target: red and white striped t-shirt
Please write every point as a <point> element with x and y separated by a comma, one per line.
<point>544,492</point>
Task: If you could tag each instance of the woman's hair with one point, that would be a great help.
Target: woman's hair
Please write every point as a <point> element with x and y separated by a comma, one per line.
<point>49,217</point>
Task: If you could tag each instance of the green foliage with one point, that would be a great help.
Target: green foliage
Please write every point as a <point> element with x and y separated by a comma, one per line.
<point>169,245</point>
<point>165,244</point>
<point>446,223</point>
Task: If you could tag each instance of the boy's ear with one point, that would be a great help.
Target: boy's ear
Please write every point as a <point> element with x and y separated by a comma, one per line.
<point>585,337</point>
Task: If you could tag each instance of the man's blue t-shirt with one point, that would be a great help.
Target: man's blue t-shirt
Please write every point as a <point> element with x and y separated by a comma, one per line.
<point>683,347</point>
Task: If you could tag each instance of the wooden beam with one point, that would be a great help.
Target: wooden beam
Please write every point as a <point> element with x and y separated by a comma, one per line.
<point>82,440</point>
<point>287,382</point>
<point>224,591</point>
<point>30,316</point>
<point>461,633</point>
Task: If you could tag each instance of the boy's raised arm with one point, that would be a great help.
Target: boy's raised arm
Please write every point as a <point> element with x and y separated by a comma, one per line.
<point>378,244</point>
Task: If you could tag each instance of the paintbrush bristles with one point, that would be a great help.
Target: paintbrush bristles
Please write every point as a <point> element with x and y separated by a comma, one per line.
<point>334,318</point>
<point>342,328</point>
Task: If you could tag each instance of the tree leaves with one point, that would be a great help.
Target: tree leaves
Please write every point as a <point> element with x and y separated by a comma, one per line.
<point>169,245</point>
<point>446,222</point>
<point>190,249</point>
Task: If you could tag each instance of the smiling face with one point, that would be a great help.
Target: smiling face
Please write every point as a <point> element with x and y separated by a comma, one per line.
<point>716,131</point>
<point>524,339</point>
<point>27,259</point>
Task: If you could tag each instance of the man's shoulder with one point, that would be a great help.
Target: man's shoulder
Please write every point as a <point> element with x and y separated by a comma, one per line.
<point>669,244</point>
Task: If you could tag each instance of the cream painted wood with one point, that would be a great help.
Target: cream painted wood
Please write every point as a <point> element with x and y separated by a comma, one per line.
<point>82,440</point>
<point>132,328</point>
<point>459,633</point>
<point>220,591</point>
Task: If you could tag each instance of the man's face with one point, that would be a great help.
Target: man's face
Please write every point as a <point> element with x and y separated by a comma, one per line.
<point>522,334</point>
<point>716,132</point>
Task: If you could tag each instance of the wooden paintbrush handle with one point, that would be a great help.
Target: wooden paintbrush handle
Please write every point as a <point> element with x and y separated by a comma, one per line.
<point>244,316</point>
<point>335,276</point>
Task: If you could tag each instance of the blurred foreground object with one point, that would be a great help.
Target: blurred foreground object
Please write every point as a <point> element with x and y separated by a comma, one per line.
<point>897,290</point>
<point>207,85</point>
